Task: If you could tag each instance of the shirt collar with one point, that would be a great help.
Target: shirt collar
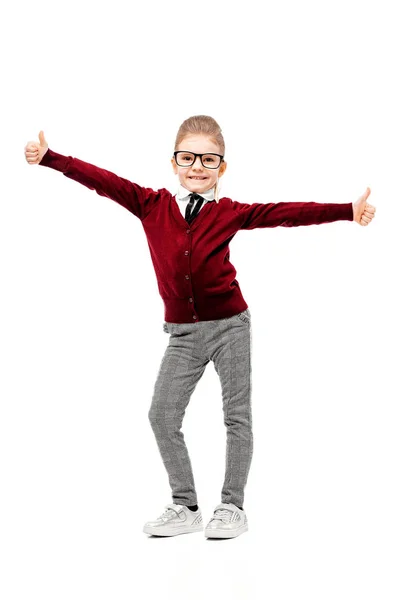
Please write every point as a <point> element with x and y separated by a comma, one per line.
<point>183,194</point>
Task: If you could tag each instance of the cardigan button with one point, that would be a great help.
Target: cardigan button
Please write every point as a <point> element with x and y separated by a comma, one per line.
<point>186,276</point>
<point>190,299</point>
<point>194,317</point>
<point>186,252</point>
<point>187,230</point>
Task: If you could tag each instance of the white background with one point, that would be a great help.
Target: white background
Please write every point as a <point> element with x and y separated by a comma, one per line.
<point>308,99</point>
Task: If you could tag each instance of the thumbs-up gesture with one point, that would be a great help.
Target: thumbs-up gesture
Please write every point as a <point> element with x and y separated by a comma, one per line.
<point>363,213</point>
<point>34,151</point>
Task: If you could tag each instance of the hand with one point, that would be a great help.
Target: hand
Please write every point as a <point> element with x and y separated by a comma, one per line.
<point>35,151</point>
<point>363,213</point>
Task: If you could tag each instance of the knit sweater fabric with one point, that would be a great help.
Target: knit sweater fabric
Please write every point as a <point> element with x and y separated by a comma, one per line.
<point>196,280</point>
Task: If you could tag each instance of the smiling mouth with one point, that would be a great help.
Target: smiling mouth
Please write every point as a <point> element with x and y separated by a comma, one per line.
<point>199,178</point>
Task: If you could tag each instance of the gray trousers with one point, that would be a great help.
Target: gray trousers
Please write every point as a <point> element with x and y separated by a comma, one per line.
<point>227,342</point>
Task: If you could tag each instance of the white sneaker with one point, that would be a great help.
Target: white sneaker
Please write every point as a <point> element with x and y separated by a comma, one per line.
<point>228,521</point>
<point>176,519</point>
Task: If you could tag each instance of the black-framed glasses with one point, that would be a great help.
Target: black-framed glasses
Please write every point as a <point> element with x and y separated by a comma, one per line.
<point>208,160</point>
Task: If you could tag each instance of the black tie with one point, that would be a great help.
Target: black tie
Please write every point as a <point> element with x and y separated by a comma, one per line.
<point>190,214</point>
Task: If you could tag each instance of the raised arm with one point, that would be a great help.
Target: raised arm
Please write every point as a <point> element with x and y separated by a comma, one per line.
<point>293,214</point>
<point>135,198</point>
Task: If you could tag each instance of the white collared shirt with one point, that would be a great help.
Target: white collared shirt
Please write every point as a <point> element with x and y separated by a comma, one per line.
<point>182,198</point>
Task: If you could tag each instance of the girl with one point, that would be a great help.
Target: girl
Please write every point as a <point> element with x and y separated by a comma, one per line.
<point>206,315</point>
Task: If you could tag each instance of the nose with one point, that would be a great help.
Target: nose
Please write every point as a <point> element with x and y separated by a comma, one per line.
<point>197,163</point>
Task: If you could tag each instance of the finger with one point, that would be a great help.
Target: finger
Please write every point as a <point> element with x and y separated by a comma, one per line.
<point>42,139</point>
<point>369,213</point>
<point>367,193</point>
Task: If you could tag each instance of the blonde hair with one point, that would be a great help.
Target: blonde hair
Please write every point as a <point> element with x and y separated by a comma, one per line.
<point>204,125</point>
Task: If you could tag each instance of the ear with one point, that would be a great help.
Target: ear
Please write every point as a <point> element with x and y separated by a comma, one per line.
<point>222,169</point>
<point>174,165</point>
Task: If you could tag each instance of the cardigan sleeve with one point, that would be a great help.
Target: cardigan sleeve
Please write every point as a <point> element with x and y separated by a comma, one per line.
<point>135,198</point>
<point>291,214</point>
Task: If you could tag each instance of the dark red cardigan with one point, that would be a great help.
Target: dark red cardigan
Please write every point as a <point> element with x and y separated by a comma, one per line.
<point>195,278</point>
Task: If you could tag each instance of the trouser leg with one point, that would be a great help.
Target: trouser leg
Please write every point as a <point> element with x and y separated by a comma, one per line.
<point>181,368</point>
<point>233,364</point>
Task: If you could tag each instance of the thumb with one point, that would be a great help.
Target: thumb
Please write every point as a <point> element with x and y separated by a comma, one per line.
<point>363,199</point>
<point>42,139</point>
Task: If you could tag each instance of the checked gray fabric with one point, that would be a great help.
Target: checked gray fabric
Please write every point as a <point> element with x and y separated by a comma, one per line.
<point>227,343</point>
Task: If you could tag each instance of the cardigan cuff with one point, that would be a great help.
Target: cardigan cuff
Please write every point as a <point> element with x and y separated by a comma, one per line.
<point>54,160</point>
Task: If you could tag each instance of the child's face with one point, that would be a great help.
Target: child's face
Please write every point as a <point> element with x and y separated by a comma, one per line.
<point>197,178</point>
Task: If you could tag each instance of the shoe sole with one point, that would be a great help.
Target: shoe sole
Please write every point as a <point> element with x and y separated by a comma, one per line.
<point>210,533</point>
<point>171,532</point>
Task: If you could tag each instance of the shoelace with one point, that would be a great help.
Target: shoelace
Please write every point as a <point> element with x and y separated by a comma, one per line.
<point>168,514</point>
<point>222,514</point>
